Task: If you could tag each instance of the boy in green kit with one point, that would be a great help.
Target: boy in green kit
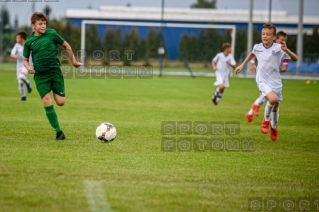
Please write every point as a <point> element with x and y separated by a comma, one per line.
<point>42,45</point>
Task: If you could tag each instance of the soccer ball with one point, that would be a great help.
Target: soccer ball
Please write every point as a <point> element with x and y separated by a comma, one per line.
<point>105,132</point>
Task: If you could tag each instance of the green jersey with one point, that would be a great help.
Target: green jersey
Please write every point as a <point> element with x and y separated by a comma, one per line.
<point>43,49</point>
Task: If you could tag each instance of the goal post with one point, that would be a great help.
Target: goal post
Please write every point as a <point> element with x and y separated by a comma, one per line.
<point>154,24</point>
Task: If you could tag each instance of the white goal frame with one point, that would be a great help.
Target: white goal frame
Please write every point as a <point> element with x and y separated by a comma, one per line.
<point>152,24</point>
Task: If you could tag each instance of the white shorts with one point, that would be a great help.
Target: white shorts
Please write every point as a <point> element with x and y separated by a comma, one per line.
<point>23,70</point>
<point>220,79</point>
<point>265,89</point>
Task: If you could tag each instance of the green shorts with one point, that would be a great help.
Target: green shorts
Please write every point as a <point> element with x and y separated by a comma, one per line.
<point>48,81</point>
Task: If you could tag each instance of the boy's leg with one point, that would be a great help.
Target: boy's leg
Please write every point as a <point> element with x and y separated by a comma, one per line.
<point>272,100</point>
<point>44,86</point>
<point>219,92</point>
<point>21,89</point>
<point>219,81</point>
<point>60,100</point>
<point>50,112</point>
<point>274,121</point>
<point>23,76</point>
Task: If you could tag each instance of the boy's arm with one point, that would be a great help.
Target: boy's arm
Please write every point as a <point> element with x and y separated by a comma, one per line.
<point>231,62</point>
<point>27,66</point>
<point>253,67</point>
<point>15,56</point>
<point>241,66</point>
<point>14,53</point>
<point>284,68</point>
<point>214,65</point>
<point>284,65</point>
<point>233,66</point>
<point>292,55</point>
<point>68,49</point>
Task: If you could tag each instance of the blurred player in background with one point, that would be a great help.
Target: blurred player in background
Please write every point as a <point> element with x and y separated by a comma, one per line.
<point>222,63</point>
<point>42,46</point>
<point>17,53</point>
<point>269,55</point>
<point>281,37</point>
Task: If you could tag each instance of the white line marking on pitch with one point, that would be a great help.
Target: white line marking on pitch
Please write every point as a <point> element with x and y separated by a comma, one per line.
<point>95,196</point>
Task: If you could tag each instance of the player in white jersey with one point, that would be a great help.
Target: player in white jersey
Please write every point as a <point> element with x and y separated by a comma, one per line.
<point>269,56</point>
<point>280,38</point>
<point>17,53</point>
<point>222,63</point>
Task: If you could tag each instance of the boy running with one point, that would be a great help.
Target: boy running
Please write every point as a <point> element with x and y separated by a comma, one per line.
<point>222,63</point>
<point>43,46</point>
<point>280,38</point>
<point>17,53</point>
<point>269,56</point>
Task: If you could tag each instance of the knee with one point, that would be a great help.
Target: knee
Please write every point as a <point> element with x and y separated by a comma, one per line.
<point>272,100</point>
<point>60,102</point>
<point>21,76</point>
<point>47,100</point>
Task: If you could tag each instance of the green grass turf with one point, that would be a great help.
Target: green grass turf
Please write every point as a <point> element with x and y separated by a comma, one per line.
<point>39,174</point>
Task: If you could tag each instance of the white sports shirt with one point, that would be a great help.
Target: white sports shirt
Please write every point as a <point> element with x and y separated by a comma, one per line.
<point>222,67</point>
<point>269,61</point>
<point>18,49</point>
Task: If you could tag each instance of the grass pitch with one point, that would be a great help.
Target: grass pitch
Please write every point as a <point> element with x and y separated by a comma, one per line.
<point>133,173</point>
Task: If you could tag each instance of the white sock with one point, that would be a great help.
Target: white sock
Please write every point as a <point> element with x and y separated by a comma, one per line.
<point>250,112</point>
<point>21,87</point>
<point>218,95</point>
<point>260,100</point>
<point>274,118</point>
<point>216,92</point>
<point>268,110</point>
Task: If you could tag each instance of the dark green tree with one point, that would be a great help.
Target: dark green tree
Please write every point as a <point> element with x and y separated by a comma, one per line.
<point>204,4</point>
<point>202,45</point>
<point>117,40</point>
<point>47,10</point>
<point>241,44</point>
<point>256,36</point>
<point>194,47</point>
<point>107,43</point>
<point>16,23</point>
<point>314,42</point>
<point>152,43</point>
<point>92,39</point>
<point>134,44</point>
<point>126,46</point>
<point>292,43</point>
<point>184,46</point>
<point>5,14</point>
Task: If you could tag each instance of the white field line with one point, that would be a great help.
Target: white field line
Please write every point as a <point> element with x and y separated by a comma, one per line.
<point>95,196</point>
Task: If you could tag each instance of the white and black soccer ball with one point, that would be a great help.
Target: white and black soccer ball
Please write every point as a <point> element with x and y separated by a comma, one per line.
<point>105,132</point>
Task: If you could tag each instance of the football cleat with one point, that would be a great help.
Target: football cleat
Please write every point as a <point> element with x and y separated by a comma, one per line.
<point>273,133</point>
<point>214,99</point>
<point>249,118</point>
<point>29,88</point>
<point>60,136</point>
<point>255,109</point>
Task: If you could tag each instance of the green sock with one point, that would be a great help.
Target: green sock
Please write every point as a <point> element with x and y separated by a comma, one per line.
<point>52,117</point>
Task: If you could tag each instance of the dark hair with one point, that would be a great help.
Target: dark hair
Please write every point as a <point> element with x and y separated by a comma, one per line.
<point>37,16</point>
<point>270,26</point>
<point>226,46</point>
<point>281,33</point>
<point>22,35</point>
